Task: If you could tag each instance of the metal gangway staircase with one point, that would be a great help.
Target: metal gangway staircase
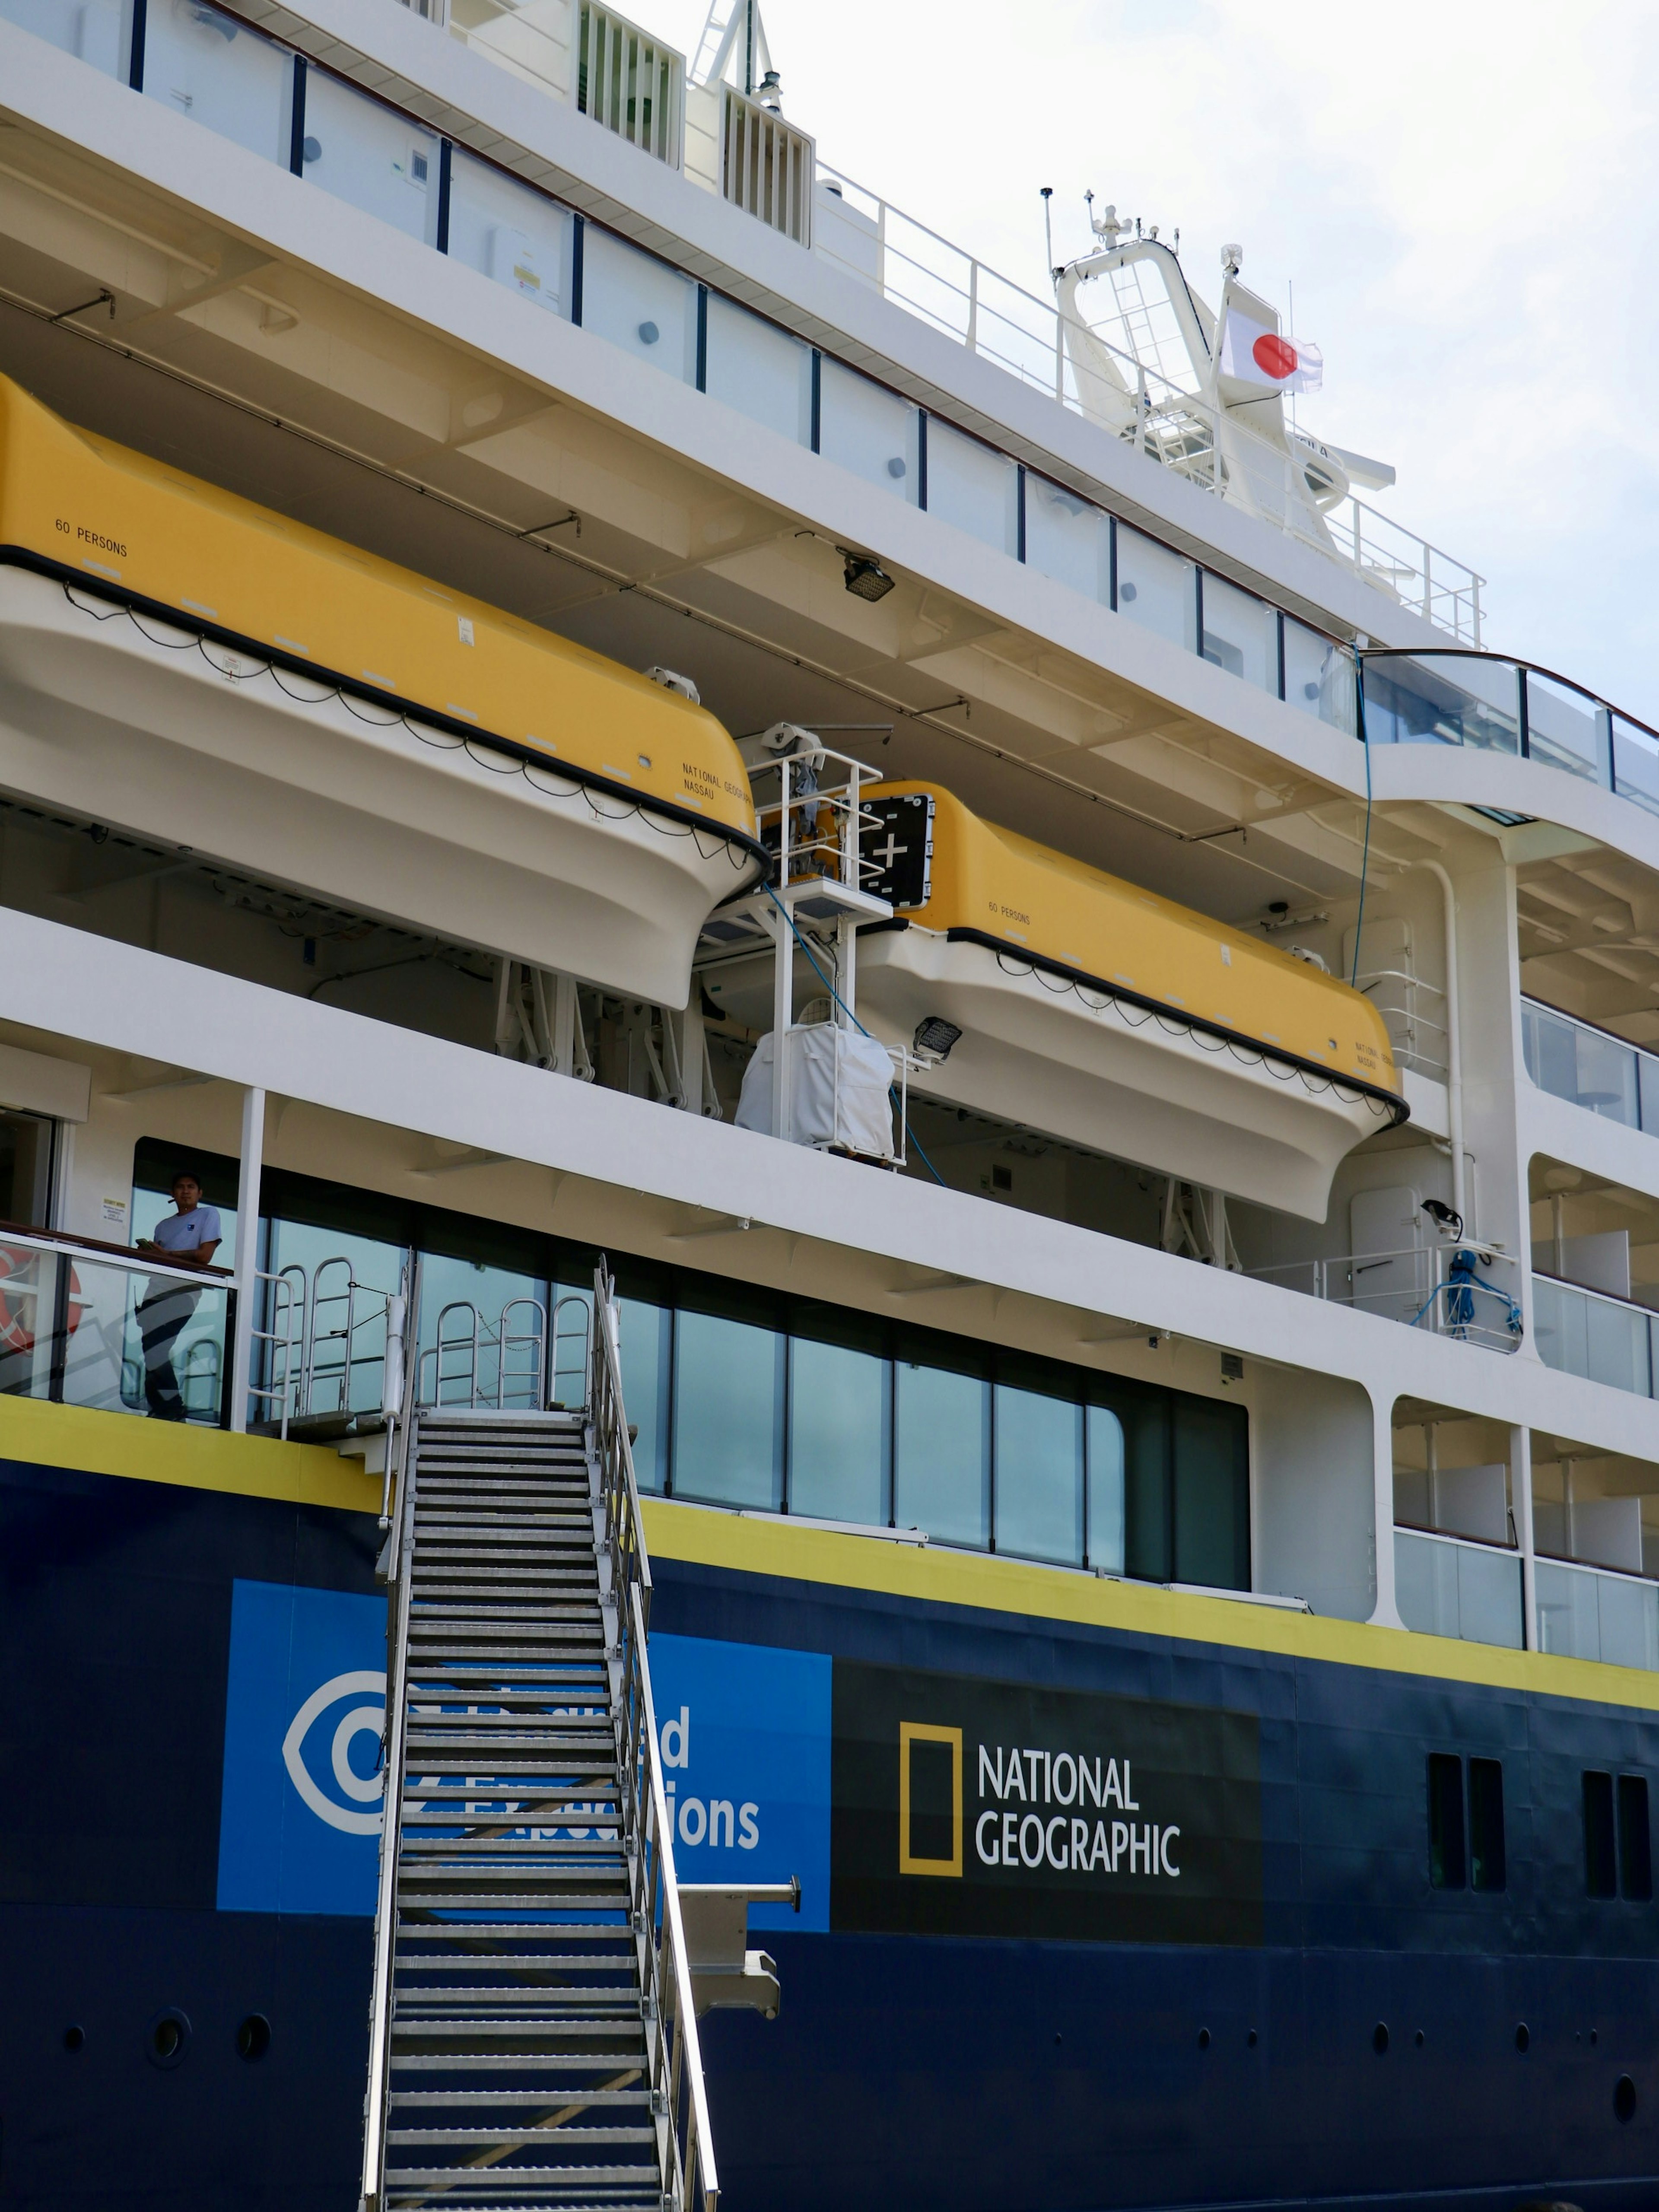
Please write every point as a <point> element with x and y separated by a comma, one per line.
<point>533,2034</point>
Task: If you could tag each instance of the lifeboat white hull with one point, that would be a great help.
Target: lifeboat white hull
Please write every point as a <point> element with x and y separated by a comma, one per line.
<point>129,721</point>
<point>1084,1067</point>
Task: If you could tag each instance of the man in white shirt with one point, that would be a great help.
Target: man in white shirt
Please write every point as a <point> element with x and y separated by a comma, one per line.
<point>187,1237</point>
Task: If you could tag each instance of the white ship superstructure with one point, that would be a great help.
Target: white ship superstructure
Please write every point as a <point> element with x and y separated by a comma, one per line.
<point>569,329</point>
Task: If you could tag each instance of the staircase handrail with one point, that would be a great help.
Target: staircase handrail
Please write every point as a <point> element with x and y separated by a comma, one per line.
<point>691,2182</point>
<point>385,1910</point>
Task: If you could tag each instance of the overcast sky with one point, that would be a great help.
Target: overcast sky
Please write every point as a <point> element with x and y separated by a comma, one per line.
<point>1462,194</point>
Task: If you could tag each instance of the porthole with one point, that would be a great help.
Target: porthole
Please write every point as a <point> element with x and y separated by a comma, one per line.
<point>1418,2039</point>
<point>1523,2037</point>
<point>649,334</point>
<point>1203,2038</point>
<point>1624,2100</point>
<point>1380,2038</point>
<point>253,2036</point>
<point>74,2038</point>
<point>167,2037</point>
<point>1251,2039</point>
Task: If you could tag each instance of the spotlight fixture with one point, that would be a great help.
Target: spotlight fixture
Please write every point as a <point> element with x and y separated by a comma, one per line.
<point>1446,1218</point>
<point>935,1035</point>
<point>866,579</point>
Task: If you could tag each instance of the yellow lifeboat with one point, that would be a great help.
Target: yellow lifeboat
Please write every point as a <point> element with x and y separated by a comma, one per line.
<point>181,661</point>
<point>1100,1014</point>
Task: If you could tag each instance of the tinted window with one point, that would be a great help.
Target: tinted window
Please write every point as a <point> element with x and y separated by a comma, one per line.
<point>1600,1861</point>
<point>838,1422</point>
<point>1487,1866</point>
<point>942,1471</point>
<point>1212,1495</point>
<point>728,1412</point>
<point>1445,1821</point>
<point>1635,1838</point>
<point>1039,1447</point>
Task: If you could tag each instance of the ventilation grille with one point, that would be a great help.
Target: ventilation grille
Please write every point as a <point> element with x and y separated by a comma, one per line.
<point>766,167</point>
<point>630,83</point>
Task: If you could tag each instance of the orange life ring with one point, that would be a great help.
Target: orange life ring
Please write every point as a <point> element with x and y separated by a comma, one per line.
<point>14,1336</point>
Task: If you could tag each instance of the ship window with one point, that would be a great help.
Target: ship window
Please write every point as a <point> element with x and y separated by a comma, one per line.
<point>1601,1848</point>
<point>728,1411</point>
<point>1635,1840</point>
<point>646,1334</point>
<point>93,33</point>
<point>1318,676</point>
<point>1241,634</point>
<point>1488,1868</point>
<point>1212,1499</point>
<point>972,486</point>
<point>838,1432</point>
<point>26,1144</point>
<point>1104,1433</point>
<point>868,429</point>
<point>482,1329</point>
<point>1065,538</point>
<point>627,293</point>
<point>207,65</point>
<point>1446,1821</point>
<point>371,156</point>
<point>1156,588</point>
<point>760,370</point>
<point>1039,1476</point>
<point>942,1458</point>
<point>507,232</point>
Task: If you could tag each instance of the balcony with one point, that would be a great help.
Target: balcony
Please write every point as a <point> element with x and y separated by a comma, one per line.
<point>1464,1291</point>
<point>1446,1586</point>
<point>1592,1334</point>
<point>1508,707</point>
<point>1590,1067</point>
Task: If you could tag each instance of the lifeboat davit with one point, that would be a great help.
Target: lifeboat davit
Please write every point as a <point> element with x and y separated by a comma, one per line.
<point>203,671</point>
<point>1094,1012</point>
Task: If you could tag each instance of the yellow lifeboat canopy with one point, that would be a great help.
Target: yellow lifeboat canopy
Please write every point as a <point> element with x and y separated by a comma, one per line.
<point>1100,1014</point>
<point>179,660</point>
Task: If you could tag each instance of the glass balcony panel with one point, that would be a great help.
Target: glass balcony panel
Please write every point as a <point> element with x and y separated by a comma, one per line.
<point>973,486</point>
<point>1471,1591</point>
<point>29,1282</point>
<point>1156,588</point>
<point>1636,764</point>
<point>1627,1614</point>
<point>92,30</point>
<point>647,1336</point>
<point>1318,675</point>
<point>1066,538</point>
<point>760,370</point>
<point>1039,1484</point>
<point>132,1342</point>
<point>1444,699</point>
<point>1647,1092</point>
<point>1240,633</point>
<point>728,1412</point>
<point>838,1432</point>
<point>1104,1433</point>
<point>1607,1077</point>
<point>1558,1326</point>
<point>640,304</point>
<point>507,232</point>
<point>942,1455</point>
<point>1585,1614</point>
<point>1564,729</point>
<point>1569,1617</point>
<point>207,66</point>
<point>1616,1344</point>
<point>370,156</point>
<point>868,429</point>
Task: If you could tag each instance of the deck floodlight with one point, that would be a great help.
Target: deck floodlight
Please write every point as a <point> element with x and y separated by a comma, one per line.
<point>935,1035</point>
<point>1446,1218</point>
<point>866,579</point>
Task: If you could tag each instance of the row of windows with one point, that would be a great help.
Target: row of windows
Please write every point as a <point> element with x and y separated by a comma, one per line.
<point>207,64</point>
<point>1466,1829</point>
<point>749,1398</point>
<point>978,1447</point>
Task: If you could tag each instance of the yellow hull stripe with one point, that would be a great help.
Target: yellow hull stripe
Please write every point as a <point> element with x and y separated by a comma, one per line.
<point>193,1459</point>
<point>933,1575</point>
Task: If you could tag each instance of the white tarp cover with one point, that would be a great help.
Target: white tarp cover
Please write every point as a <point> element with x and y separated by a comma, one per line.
<point>840,1081</point>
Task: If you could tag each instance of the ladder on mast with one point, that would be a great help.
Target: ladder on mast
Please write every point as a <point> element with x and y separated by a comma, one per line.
<point>533,2037</point>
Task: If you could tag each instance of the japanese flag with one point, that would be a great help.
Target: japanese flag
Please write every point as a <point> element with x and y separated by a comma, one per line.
<point>1255,354</point>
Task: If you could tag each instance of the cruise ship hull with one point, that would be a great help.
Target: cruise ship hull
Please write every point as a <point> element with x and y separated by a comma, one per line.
<point>1315,2023</point>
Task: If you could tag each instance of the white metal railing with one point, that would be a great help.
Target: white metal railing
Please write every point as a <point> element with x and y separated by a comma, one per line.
<point>919,270</point>
<point>1466,1290</point>
<point>1416,1038</point>
<point>690,2181</point>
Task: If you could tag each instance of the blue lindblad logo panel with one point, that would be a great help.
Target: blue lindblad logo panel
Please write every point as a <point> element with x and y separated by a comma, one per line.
<point>744,1734</point>
<point>305,1704</point>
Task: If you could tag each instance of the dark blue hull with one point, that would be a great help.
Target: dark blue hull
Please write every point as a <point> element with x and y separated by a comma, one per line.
<point>943,2070</point>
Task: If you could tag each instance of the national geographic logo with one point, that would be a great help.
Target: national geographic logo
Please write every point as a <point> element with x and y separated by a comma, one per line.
<point>973,1808</point>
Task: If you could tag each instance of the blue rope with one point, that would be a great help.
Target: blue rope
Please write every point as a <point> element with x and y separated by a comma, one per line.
<point>892,1088</point>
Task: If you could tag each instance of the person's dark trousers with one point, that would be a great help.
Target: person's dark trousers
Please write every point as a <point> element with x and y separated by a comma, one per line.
<point>160,1317</point>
